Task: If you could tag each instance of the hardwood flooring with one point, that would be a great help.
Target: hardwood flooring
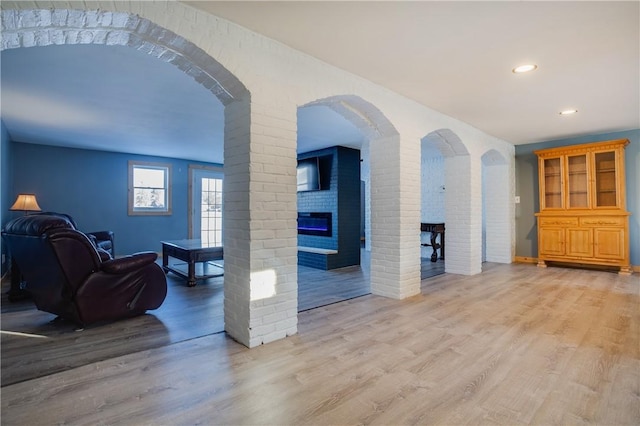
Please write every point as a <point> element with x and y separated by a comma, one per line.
<point>187,313</point>
<point>514,345</point>
<point>54,345</point>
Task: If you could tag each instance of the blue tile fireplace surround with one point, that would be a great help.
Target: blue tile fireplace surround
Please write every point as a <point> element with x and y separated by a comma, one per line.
<point>329,217</point>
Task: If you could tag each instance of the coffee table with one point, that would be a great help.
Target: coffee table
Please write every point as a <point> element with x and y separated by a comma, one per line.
<point>192,252</point>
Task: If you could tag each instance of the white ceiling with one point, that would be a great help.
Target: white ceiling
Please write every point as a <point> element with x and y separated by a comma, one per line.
<point>457,57</point>
<point>454,57</point>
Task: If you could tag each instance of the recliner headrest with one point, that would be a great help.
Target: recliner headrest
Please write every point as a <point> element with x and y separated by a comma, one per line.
<point>36,225</point>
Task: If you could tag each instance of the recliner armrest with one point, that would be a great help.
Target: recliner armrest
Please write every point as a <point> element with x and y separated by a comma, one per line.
<point>126,264</point>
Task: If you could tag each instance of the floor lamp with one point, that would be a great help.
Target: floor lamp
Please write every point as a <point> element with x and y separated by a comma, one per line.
<point>26,203</point>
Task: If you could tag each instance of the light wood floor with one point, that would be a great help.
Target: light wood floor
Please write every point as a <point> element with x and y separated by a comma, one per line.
<point>514,345</point>
<point>187,313</point>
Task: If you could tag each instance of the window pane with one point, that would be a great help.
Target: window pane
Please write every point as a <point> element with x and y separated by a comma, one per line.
<point>606,195</point>
<point>148,198</point>
<point>211,212</point>
<point>148,178</point>
<point>578,196</point>
<point>552,183</point>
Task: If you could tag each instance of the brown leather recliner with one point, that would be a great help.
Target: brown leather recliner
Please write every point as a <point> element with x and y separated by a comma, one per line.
<point>101,239</point>
<point>66,276</point>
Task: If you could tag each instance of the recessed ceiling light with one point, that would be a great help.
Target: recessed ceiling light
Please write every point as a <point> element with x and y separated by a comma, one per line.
<point>568,111</point>
<point>524,68</point>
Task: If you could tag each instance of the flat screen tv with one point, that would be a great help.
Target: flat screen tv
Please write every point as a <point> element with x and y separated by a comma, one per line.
<point>309,174</point>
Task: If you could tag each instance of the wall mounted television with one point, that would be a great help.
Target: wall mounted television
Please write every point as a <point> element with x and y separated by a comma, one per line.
<point>309,174</point>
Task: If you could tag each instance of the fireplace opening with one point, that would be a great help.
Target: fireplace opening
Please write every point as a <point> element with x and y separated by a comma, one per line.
<point>314,223</point>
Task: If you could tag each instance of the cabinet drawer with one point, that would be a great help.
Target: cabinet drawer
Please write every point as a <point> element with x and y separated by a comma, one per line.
<point>602,221</point>
<point>558,221</point>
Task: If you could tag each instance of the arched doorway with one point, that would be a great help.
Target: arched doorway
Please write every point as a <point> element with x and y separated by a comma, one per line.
<point>391,274</point>
<point>23,28</point>
<point>432,211</point>
<point>462,215</point>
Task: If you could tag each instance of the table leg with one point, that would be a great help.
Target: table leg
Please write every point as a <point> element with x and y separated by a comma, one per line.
<point>434,255</point>
<point>191,282</point>
<point>165,260</point>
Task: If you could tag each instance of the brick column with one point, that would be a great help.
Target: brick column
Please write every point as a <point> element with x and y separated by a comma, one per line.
<point>260,240</point>
<point>498,201</point>
<point>395,217</point>
<point>463,212</point>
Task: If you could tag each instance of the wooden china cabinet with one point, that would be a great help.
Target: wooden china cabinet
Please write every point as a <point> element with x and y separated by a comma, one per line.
<point>583,217</point>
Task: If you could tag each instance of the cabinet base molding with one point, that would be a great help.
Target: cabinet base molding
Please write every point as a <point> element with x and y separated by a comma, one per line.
<point>622,270</point>
<point>543,264</point>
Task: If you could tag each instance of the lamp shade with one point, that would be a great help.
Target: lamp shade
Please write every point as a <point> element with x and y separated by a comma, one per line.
<point>26,203</point>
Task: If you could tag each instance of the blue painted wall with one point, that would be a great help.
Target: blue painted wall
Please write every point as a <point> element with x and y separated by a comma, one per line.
<point>92,186</point>
<point>5,179</point>
<point>527,189</point>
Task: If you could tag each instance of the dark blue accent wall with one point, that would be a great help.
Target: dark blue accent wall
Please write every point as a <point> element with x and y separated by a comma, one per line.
<point>340,170</point>
<point>5,178</point>
<point>92,187</point>
<point>527,189</point>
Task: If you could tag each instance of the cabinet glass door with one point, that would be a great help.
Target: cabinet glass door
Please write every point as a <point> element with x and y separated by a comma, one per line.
<point>552,183</point>
<point>577,188</point>
<point>605,177</point>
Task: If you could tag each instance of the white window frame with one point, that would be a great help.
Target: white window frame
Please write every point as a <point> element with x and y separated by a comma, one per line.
<point>162,210</point>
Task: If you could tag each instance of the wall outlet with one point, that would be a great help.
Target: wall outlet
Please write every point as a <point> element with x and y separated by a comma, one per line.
<point>517,199</point>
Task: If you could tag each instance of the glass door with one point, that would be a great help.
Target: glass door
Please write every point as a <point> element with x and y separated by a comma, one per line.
<point>577,189</point>
<point>552,183</point>
<point>206,208</point>
<point>605,179</point>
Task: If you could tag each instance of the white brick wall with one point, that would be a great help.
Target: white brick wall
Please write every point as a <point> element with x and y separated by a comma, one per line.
<point>497,194</point>
<point>395,218</point>
<point>261,141</point>
<point>260,241</point>
<point>463,215</point>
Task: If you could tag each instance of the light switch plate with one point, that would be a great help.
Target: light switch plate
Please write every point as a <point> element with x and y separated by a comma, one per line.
<point>517,199</point>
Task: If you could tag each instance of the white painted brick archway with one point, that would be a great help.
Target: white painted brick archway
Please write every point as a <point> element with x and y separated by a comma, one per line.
<point>260,257</point>
<point>261,83</point>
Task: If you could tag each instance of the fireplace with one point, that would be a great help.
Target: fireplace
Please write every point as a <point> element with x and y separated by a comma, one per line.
<point>314,224</point>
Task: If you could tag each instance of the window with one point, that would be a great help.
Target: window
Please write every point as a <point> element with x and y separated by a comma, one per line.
<point>149,188</point>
